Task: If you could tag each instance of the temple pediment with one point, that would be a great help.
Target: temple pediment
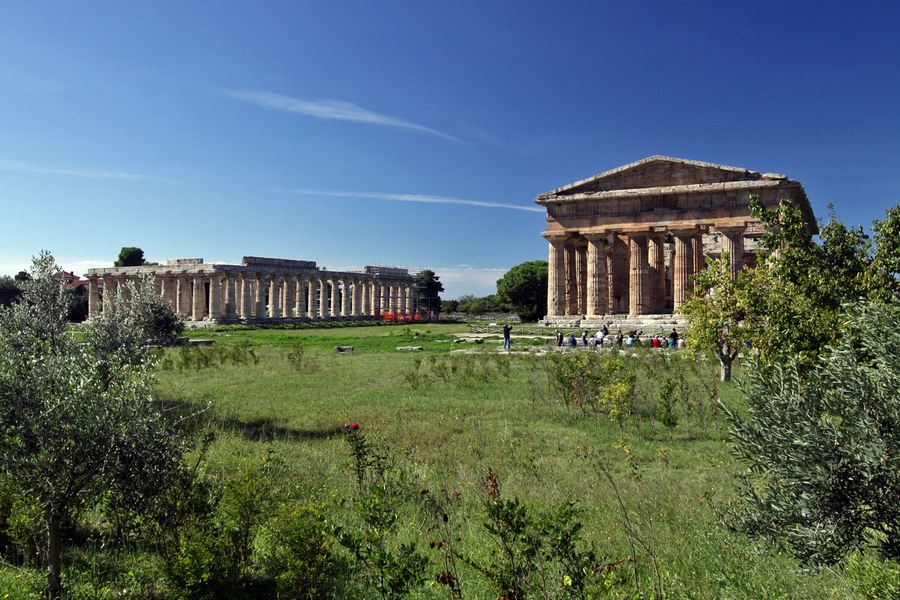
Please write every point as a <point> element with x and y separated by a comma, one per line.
<point>656,172</point>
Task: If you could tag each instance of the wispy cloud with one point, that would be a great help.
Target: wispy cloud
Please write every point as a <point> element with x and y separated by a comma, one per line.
<point>421,198</point>
<point>26,167</point>
<point>330,109</point>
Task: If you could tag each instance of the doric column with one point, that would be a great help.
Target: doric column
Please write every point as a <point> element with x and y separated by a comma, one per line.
<point>733,245</point>
<point>93,298</point>
<point>323,298</point>
<point>611,274</point>
<point>274,298</point>
<point>656,255</point>
<point>684,259</point>
<point>232,300</point>
<point>198,312</point>
<point>259,296</point>
<point>571,304</point>
<point>596,275</point>
<point>246,308</point>
<point>288,302</point>
<point>581,278</point>
<point>171,289</point>
<point>556,276</point>
<point>215,298</point>
<point>345,298</point>
<point>333,288</point>
<point>109,293</point>
<point>699,258</point>
<point>185,295</point>
<point>637,270</point>
<point>299,297</point>
<point>312,292</point>
<point>363,298</point>
<point>376,297</point>
<point>354,299</point>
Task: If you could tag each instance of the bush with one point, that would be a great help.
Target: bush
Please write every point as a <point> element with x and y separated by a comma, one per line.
<point>204,565</point>
<point>823,446</point>
<point>295,549</point>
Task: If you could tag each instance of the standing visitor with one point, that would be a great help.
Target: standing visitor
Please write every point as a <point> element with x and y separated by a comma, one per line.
<point>559,338</point>
<point>673,338</point>
<point>584,337</point>
<point>600,336</point>
<point>619,338</point>
<point>571,341</point>
<point>507,342</point>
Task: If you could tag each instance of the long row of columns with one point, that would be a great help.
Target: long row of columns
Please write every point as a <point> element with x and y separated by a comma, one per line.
<point>612,272</point>
<point>257,296</point>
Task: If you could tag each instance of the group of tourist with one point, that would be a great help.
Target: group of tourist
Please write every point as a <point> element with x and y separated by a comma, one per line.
<point>632,340</point>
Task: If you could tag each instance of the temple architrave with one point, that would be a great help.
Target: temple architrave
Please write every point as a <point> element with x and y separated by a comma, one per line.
<point>629,240</point>
<point>260,289</point>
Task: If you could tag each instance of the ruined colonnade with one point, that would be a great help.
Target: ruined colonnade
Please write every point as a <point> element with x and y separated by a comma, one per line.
<point>260,290</point>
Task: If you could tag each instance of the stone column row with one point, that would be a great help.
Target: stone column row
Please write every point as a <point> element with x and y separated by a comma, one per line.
<point>258,296</point>
<point>585,277</point>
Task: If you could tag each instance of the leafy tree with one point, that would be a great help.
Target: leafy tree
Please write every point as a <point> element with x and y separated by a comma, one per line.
<point>524,288</point>
<point>717,319</point>
<point>74,426</point>
<point>823,445</point>
<point>22,276</point>
<point>789,306</point>
<point>883,276</point>
<point>471,305</point>
<point>430,288</point>
<point>449,306</point>
<point>130,256</point>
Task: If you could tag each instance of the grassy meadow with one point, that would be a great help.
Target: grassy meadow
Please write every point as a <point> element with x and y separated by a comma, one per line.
<point>443,419</point>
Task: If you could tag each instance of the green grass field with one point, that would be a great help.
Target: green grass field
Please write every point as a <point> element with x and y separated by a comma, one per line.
<point>446,434</point>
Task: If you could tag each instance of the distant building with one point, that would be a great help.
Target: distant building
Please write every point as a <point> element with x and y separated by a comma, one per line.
<point>262,289</point>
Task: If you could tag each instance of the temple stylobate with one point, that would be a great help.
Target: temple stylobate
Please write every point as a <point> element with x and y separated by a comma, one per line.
<point>628,241</point>
<point>260,289</point>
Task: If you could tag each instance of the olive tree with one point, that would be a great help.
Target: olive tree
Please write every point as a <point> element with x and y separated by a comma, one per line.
<point>74,424</point>
<point>822,445</point>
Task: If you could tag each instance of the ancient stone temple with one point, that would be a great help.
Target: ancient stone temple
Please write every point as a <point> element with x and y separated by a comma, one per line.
<point>260,289</point>
<point>629,240</point>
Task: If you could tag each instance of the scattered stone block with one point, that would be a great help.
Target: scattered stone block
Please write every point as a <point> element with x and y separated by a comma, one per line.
<point>343,349</point>
<point>201,342</point>
<point>408,348</point>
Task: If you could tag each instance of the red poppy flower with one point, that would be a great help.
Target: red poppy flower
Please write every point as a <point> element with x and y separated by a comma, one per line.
<point>354,426</point>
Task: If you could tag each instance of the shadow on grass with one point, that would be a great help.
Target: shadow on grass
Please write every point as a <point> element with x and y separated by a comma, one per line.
<point>264,430</point>
<point>192,418</point>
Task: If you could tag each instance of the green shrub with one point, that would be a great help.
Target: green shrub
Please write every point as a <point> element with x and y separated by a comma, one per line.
<point>205,564</point>
<point>295,549</point>
<point>871,577</point>
<point>823,445</point>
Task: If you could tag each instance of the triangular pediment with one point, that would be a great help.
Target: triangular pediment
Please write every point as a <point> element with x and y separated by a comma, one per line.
<point>654,172</point>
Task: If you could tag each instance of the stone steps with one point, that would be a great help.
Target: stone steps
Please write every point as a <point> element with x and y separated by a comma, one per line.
<point>648,323</point>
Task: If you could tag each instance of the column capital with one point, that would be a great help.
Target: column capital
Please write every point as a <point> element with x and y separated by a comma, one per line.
<point>556,237</point>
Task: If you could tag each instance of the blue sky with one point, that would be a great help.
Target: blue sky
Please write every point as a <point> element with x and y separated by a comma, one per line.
<point>415,133</point>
